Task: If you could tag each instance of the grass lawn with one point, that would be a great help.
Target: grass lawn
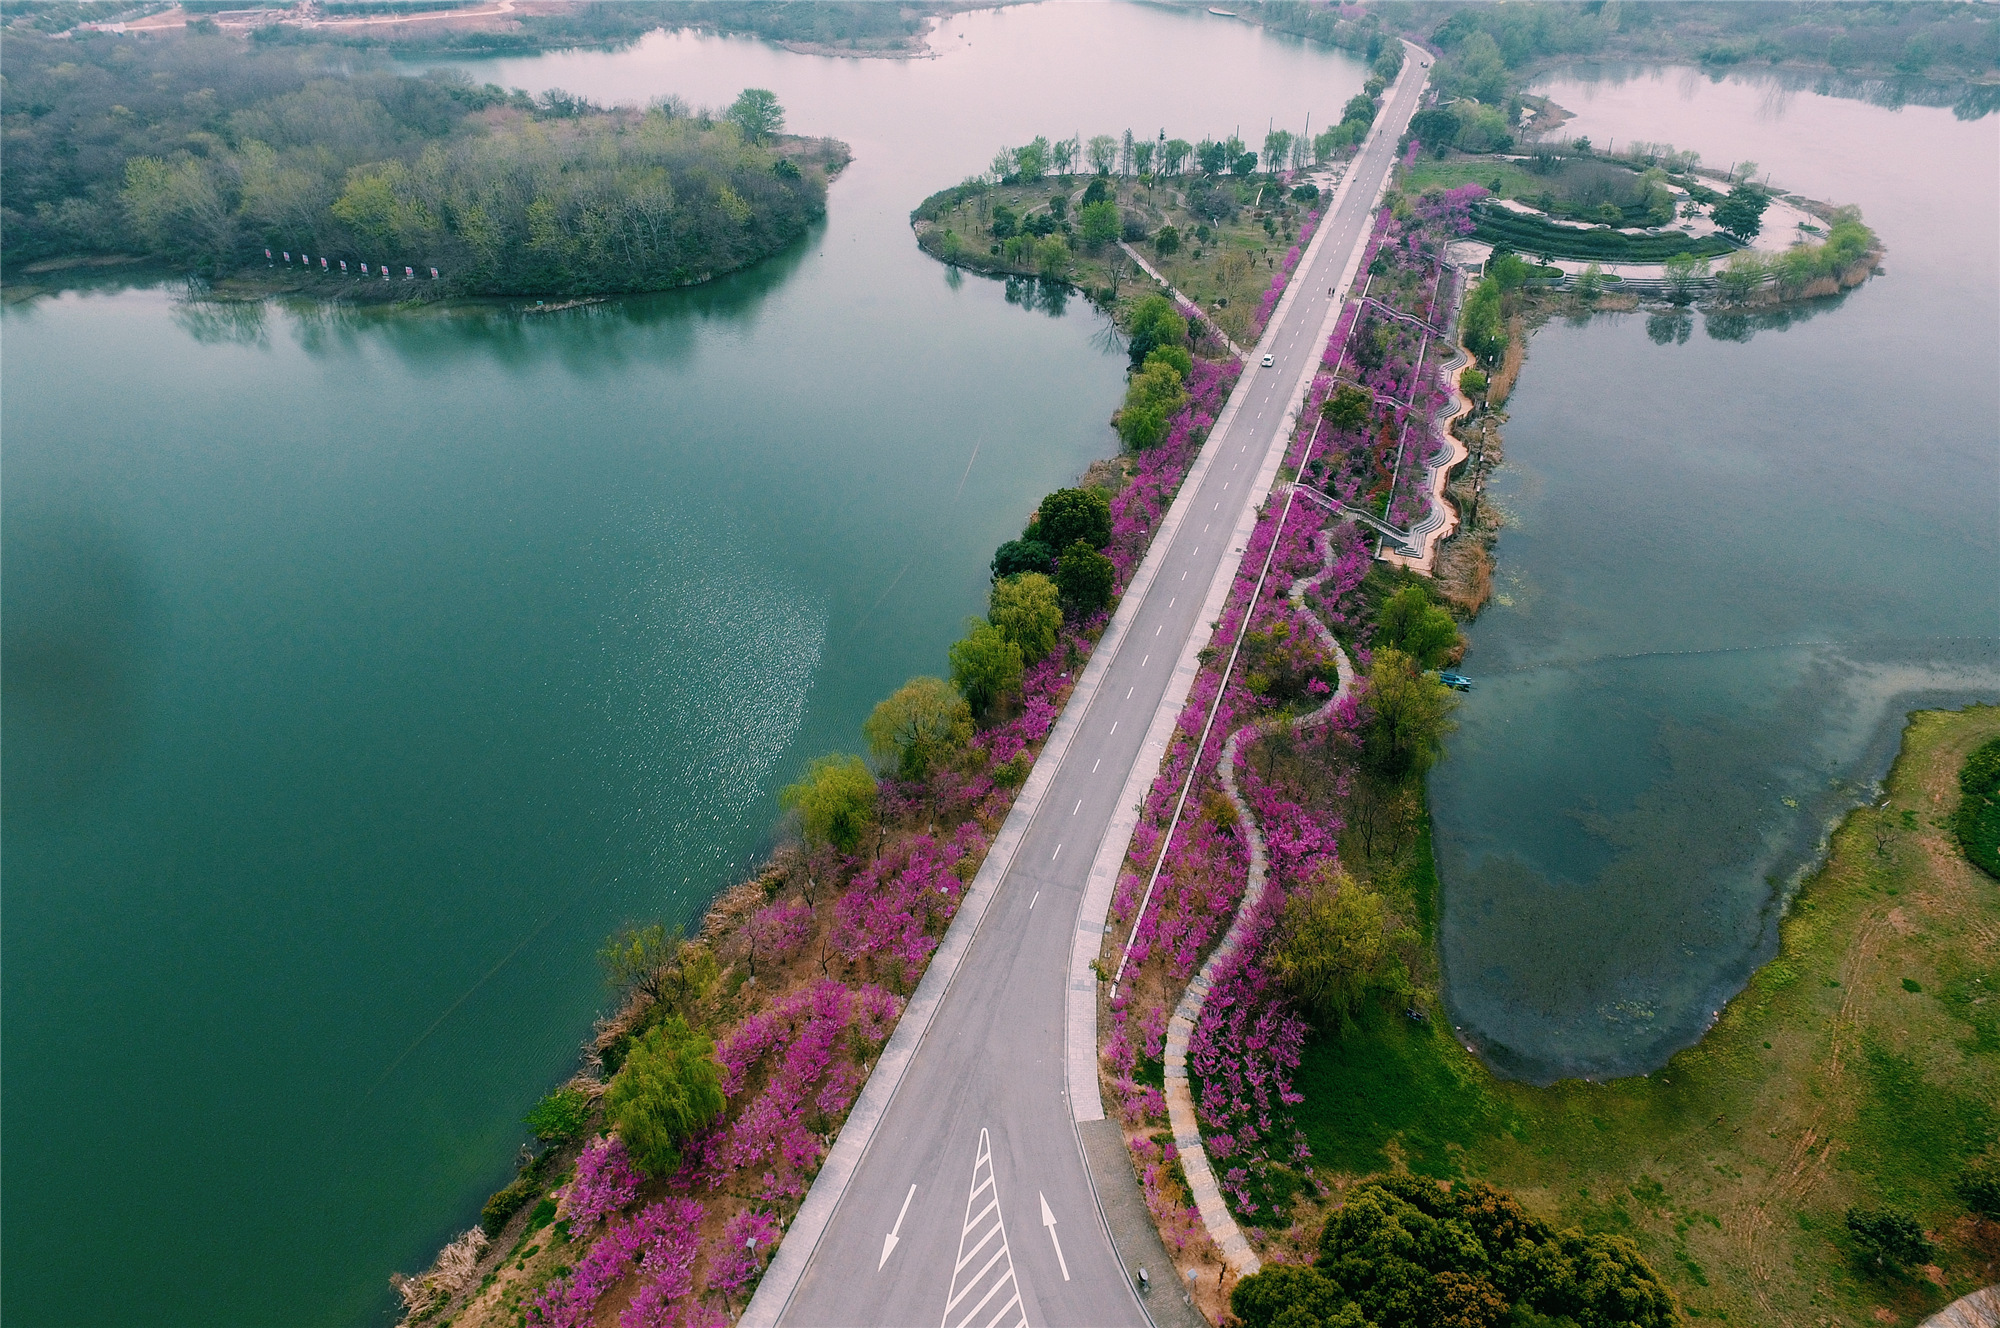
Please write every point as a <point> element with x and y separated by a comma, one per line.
<point>1431,173</point>
<point>1861,1066</point>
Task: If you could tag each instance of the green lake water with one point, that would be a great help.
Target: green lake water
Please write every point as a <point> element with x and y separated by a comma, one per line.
<point>1741,550</point>
<point>363,670</point>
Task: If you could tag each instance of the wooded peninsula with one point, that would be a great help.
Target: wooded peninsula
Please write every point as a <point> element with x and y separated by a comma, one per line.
<point>203,152</point>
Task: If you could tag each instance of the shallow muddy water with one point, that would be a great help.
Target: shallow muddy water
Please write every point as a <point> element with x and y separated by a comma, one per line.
<point>1741,550</point>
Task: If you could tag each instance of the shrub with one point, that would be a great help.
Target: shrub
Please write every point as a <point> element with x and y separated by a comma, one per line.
<point>500,1209</point>
<point>1473,381</point>
<point>1889,1237</point>
<point>1976,822</point>
<point>669,1087</point>
<point>560,1116</point>
<point>1979,1186</point>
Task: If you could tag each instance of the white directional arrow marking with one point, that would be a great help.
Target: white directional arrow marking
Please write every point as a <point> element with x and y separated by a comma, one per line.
<point>1049,1221</point>
<point>889,1241</point>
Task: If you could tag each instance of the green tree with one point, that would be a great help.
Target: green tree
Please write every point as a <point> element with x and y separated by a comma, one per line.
<point>1166,241</point>
<point>919,724</point>
<point>835,801</point>
<point>1064,155</point>
<point>1097,225</point>
<point>1436,128</point>
<point>985,666</point>
<point>1742,274</point>
<point>1277,145</point>
<point>1174,357</point>
<point>1154,322</point>
<point>1332,949</point>
<point>1102,153</point>
<point>1032,162</point>
<point>668,1088</point>
<point>1590,284</point>
<point>757,113</point>
<point>1741,212</point>
<point>1289,1296</point>
<point>1890,1238</point>
<point>1022,555</point>
<point>1417,627</point>
<point>1482,326</point>
<point>1152,397</point>
<point>1026,609</point>
<point>1068,515</point>
<point>637,959</point>
<point>561,1116</point>
<point>1409,715</point>
<point>1214,157</point>
<point>1086,578</point>
<point>1349,408</point>
<point>1404,1252</point>
<point>1052,256</point>
<point>1175,155</point>
<point>1683,271</point>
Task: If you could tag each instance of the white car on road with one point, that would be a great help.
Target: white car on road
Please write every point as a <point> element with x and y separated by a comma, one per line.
<point>1268,361</point>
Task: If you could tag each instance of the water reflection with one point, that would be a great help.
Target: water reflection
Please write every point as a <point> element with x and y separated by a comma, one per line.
<point>1778,88</point>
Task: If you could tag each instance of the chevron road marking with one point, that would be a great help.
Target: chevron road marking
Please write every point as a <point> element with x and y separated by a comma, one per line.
<point>982,1249</point>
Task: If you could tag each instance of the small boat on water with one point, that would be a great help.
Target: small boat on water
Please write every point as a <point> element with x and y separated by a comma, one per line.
<point>1222,13</point>
<point>1458,682</point>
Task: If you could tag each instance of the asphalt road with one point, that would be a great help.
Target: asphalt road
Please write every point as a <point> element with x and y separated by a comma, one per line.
<point>978,1149</point>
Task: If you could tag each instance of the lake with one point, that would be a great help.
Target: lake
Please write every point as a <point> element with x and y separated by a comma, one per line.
<point>364,670</point>
<point>1741,549</point>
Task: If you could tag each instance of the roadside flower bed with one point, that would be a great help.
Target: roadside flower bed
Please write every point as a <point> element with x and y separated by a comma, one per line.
<point>1380,465</point>
<point>1247,1041</point>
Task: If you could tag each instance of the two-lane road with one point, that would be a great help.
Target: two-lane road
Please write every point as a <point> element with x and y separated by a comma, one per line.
<point>975,1166</point>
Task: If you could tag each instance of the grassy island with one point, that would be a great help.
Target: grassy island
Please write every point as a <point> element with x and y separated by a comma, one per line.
<point>202,153</point>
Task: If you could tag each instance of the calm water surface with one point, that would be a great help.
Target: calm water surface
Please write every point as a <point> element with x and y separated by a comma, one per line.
<point>1741,551</point>
<point>362,671</point>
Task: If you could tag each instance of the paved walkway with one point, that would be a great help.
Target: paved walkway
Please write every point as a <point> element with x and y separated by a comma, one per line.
<point>1181,1117</point>
<point>1185,302</point>
<point>1981,1309</point>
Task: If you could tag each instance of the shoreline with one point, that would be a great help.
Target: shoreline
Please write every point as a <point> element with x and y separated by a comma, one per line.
<point>510,1270</point>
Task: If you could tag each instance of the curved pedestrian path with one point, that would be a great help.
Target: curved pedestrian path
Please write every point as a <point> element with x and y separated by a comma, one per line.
<point>1181,1117</point>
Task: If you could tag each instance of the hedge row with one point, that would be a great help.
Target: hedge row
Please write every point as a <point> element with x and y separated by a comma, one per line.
<point>1532,235</point>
